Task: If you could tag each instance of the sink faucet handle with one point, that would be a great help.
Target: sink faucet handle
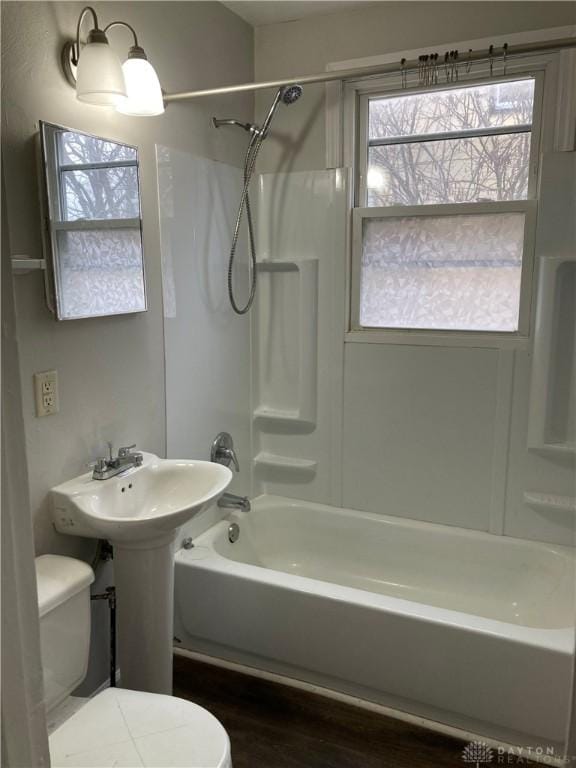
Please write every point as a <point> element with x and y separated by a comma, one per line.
<point>99,464</point>
<point>126,450</point>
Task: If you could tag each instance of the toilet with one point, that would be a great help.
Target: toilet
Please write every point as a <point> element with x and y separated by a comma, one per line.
<point>117,727</point>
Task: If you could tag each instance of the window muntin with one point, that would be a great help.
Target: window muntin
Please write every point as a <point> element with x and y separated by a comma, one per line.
<point>452,153</point>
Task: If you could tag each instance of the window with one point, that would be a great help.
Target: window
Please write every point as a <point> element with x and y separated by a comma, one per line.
<point>445,216</point>
<point>95,224</point>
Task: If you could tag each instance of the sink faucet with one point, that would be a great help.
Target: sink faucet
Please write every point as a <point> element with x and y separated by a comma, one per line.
<point>222,452</point>
<point>110,467</point>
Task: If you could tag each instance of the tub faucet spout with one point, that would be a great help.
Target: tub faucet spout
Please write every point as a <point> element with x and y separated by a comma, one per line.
<point>231,501</point>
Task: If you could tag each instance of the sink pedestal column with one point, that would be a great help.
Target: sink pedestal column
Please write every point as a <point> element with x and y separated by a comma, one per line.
<point>144,575</point>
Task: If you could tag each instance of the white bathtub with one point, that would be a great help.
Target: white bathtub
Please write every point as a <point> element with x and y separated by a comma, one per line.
<point>469,629</point>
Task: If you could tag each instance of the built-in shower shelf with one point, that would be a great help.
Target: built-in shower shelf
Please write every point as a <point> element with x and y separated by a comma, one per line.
<point>288,463</point>
<point>548,502</point>
<point>278,416</point>
<point>555,449</point>
<point>21,265</point>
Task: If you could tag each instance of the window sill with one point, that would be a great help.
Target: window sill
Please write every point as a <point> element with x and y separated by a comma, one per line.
<point>418,338</point>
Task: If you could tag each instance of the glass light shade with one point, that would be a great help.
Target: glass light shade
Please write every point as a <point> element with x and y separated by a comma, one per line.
<point>99,78</point>
<point>144,92</point>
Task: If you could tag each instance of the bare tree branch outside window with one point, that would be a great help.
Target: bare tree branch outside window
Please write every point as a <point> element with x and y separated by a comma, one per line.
<point>109,191</point>
<point>453,170</point>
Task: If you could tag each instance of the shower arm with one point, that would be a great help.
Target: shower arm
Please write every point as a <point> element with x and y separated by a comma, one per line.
<point>412,65</point>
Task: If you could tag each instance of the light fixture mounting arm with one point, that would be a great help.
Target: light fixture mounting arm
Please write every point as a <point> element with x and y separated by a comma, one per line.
<point>123,24</point>
<point>71,49</point>
<point>76,47</point>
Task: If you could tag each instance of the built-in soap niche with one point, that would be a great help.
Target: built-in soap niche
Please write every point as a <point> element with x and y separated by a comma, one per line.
<point>562,401</point>
<point>286,380</point>
<point>552,417</point>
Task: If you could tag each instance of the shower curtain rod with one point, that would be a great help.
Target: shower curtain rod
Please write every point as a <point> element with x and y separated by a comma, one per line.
<point>382,69</point>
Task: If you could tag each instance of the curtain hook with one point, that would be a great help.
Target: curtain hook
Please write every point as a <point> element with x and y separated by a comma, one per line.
<point>403,72</point>
<point>491,57</point>
<point>469,62</point>
<point>456,64</point>
<point>504,57</point>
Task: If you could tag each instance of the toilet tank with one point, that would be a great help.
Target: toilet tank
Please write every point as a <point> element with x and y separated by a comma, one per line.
<point>64,605</point>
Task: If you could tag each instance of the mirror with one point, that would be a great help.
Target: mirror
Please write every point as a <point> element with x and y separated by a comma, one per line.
<point>93,233</point>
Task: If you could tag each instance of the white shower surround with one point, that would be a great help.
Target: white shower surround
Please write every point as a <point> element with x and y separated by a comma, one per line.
<point>366,426</point>
<point>468,629</point>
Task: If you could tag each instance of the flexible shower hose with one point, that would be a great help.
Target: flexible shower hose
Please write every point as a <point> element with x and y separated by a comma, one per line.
<point>249,163</point>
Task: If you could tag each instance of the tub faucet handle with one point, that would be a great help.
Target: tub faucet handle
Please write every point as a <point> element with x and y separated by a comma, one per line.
<point>222,451</point>
<point>230,455</point>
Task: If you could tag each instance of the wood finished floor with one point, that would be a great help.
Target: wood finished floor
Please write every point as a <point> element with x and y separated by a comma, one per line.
<point>275,726</point>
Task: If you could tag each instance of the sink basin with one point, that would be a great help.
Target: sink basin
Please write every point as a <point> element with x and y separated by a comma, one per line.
<point>141,504</point>
<point>139,511</point>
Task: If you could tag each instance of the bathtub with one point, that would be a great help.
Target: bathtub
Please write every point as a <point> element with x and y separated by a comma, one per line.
<point>467,629</point>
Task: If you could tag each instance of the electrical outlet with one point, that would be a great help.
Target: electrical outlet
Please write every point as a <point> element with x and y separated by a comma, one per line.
<point>46,391</point>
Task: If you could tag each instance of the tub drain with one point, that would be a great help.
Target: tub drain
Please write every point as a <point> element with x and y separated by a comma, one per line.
<point>233,532</point>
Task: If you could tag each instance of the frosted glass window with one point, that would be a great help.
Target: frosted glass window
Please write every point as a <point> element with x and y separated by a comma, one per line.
<point>451,272</point>
<point>100,273</point>
<point>464,170</point>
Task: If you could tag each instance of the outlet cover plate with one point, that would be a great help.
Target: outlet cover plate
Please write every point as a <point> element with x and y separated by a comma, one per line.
<point>46,393</point>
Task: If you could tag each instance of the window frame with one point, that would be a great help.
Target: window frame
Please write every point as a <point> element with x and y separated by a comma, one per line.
<point>356,99</point>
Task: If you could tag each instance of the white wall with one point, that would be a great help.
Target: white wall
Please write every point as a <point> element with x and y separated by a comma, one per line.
<point>207,346</point>
<point>24,737</point>
<point>111,370</point>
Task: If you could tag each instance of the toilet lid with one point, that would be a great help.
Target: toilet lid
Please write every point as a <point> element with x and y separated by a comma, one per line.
<point>126,728</point>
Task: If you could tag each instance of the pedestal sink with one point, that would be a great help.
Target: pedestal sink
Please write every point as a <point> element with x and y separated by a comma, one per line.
<point>139,512</point>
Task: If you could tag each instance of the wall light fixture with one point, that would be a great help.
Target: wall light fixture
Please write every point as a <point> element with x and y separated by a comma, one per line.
<point>95,71</point>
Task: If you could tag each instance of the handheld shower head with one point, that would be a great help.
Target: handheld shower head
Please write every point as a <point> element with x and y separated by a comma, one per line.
<point>290,93</point>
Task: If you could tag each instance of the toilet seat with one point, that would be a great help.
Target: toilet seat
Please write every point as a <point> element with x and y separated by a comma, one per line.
<point>130,729</point>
